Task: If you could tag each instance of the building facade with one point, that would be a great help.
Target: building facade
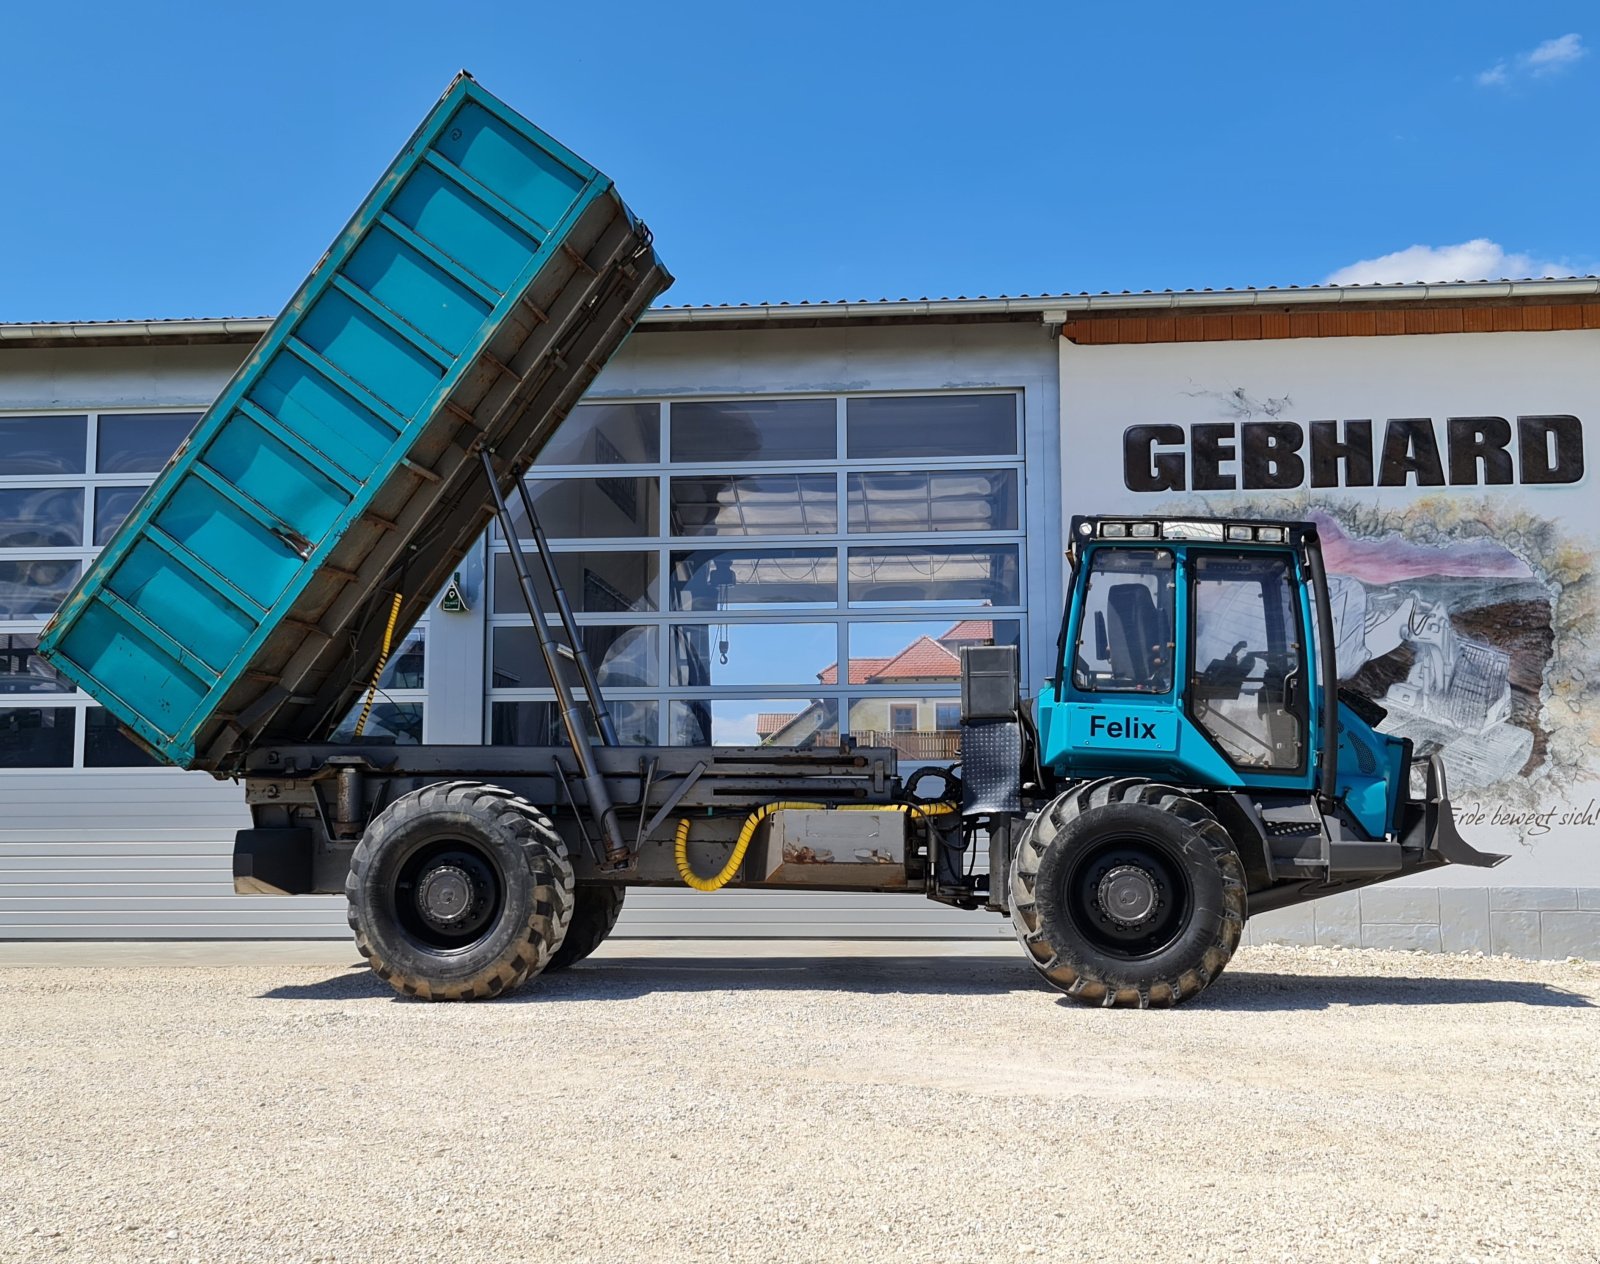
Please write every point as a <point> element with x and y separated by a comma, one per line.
<point>751,497</point>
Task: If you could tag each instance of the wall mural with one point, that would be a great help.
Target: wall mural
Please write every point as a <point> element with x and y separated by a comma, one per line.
<point>1471,622</point>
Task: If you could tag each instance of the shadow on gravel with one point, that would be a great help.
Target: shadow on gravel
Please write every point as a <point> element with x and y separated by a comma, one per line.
<point>629,979</point>
<point>1251,991</point>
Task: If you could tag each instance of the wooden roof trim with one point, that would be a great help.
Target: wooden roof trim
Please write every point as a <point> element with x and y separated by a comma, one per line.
<point>1100,331</point>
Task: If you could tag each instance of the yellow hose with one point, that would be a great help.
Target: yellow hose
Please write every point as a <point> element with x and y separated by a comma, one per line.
<point>383,661</point>
<point>680,841</point>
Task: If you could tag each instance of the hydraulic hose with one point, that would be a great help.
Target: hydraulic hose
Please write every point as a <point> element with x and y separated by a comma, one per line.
<point>383,661</point>
<point>680,841</point>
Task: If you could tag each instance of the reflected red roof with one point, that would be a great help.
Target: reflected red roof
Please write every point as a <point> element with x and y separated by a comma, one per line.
<point>862,671</point>
<point>971,630</point>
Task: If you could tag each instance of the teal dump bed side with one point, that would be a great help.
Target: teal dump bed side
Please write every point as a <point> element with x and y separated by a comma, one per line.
<point>467,305</point>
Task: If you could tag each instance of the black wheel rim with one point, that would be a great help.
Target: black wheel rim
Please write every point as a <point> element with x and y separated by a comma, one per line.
<point>1129,896</point>
<point>447,895</point>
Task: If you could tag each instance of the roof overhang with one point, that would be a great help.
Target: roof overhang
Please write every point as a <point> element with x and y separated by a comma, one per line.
<point>1050,310</point>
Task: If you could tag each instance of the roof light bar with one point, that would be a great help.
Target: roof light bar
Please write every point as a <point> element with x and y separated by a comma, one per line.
<point>1220,531</point>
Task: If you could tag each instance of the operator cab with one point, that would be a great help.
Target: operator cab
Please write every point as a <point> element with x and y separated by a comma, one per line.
<point>1185,651</point>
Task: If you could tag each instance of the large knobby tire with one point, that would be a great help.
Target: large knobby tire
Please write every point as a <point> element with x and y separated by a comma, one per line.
<point>594,916</point>
<point>1127,892</point>
<point>459,891</point>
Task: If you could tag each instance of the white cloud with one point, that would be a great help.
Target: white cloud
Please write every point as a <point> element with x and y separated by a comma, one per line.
<point>1550,57</point>
<point>1553,55</point>
<point>1473,260</point>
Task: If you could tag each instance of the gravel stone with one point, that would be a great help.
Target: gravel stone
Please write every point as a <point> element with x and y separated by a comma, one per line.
<point>798,1102</point>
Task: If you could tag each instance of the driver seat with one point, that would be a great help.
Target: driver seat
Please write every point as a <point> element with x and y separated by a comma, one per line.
<point>1134,635</point>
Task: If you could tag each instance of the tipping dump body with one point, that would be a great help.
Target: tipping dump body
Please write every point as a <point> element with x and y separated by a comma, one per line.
<point>467,305</point>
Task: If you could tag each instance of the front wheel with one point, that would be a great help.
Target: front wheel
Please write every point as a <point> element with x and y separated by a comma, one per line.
<point>459,891</point>
<point>1127,892</point>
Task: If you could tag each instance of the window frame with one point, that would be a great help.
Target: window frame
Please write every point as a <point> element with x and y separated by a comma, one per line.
<point>840,612</point>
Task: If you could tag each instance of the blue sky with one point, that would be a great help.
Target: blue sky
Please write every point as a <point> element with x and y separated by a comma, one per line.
<point>175,159</point>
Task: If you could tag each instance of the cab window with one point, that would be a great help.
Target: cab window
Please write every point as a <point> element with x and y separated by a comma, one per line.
<point>1125,631</point>
<point>1247,658</point>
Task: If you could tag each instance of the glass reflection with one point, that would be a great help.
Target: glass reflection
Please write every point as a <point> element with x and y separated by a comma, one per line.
<point>623,658</point>
<point>751,579</point>
<point>606,434</point>
<point>923,575</point>
<point>139,443</point>
<point>105,745</point>
<point>36,737</point>
<point>906,652</point>
<point>590,508</point>
<point>389,724</point>
<point>755,430</point>
<point>934,500</point>
<point>43,445</point>
<point>112,505</point>
<point>33,589</point>
<point>755,504</point>
<point>931,425</point>
<point>41,517</point>
<point>21,668</point>
<point>805,723</point>
<point>539,723</point>
<point>596,583</point>
<point>922,729</point>
<point>733,654</point>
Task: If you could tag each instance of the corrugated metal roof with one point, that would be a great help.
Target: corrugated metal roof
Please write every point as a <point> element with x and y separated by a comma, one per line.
<point>1047,307</point>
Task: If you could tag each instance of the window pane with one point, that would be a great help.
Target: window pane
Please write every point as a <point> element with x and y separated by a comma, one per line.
<point>41,517</point>
<point>33,589</point>
<point>976,575</point>
<point>1246,650</point>
<point>21,668</point>
<point>755,430</point>
<point>404,669</point>
<point>756,504</point>
<point>106,746</point>
<point>934,500</point>
<point>43,445</point>
<point>803,722</point>
<point>606,434</point>
<point>728,654</point>
<point>140,443</point>
<point>1125,631</point>
<point>622,657</point>
<point>907,652</point>
<point>919,729</point>
<point>596,583</point>
<point>112,505</point>
<point>390,724</point>
<point>539,723</point>
<point>590,508</point>
<point>750,580</point>
<point>932,425</point>
<point>36,737</point>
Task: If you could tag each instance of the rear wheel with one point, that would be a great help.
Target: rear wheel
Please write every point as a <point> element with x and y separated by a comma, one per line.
<point>594,917</point>
<point>1127,892</point>
<point>459,891</point>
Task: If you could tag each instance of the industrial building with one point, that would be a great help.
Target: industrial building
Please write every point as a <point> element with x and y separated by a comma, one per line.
<point>753,496</point>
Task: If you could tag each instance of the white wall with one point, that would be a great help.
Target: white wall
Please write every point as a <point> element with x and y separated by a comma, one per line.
<point>1529,539</point>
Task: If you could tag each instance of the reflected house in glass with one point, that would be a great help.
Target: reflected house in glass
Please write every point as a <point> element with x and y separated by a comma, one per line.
<point>919,728</point>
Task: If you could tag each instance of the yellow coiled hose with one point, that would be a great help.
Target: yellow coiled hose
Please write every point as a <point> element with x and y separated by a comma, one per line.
<point>680,842</point>
<point>383,661</point>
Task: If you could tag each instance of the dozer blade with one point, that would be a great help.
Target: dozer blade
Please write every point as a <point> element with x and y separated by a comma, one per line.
<point>1439,823</point>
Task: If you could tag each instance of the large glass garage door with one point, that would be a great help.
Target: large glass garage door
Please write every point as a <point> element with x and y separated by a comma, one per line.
<point>725,556</point>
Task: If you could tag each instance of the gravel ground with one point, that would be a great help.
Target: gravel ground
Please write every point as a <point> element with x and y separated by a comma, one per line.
<point>803,1102</point>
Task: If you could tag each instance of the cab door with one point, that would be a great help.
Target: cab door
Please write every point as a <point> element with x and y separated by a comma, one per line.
<point>1247,688</point>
